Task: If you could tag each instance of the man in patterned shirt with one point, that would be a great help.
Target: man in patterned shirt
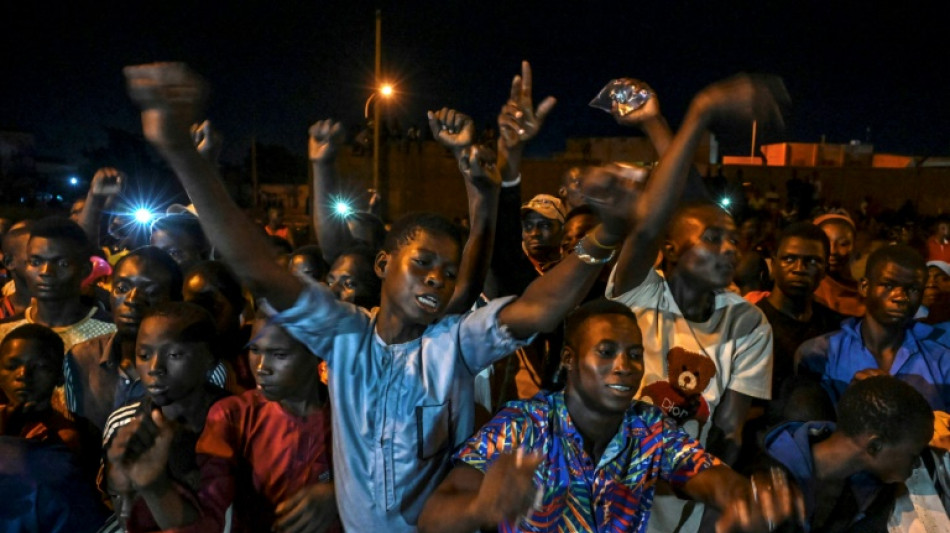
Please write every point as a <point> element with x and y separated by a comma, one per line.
<point>588,458</point>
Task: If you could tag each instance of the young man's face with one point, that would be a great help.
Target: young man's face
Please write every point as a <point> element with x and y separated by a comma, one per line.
<point>892,293</point>
<point>943,230</point>
<point>570,191</point>
<point>605,365</point>
<point>28,372</point>
<point>841,237</point>
<point>704,245</point>
<point>137,285</point>
<point>170,369</point>
<point>894,463</point>
<point>419,277</point>
<point>283,367</point>
<point>574,230</point>
<point>185,252</point>
<point>541,236</point>
<point>350,279</point>
<point>799,266</point>
<point>15,255</point>
<point>55,269</point>
<point>938,282</point>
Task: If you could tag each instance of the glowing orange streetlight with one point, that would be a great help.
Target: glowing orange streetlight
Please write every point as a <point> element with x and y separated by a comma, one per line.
<point>386,90</point>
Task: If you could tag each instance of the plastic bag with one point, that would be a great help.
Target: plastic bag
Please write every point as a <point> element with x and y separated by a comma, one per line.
<point>628,93</point>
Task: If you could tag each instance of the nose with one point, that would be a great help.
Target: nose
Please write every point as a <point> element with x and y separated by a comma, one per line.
<point>20,373</point>
<point>156,366</point>
<point>899,294</point>
<point>625,365</point>
<point>435,279</point>
<point>135,295</point>
<point>263,366</point>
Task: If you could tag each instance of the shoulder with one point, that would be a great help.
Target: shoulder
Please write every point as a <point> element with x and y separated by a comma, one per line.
<point>643,295</point>
<point>118,418</point>
<point>91,349</point>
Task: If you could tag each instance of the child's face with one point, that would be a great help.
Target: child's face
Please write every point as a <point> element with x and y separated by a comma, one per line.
<point>349,279</point>
<point>136,286</point>
<point>28,372</point>
<point>283,367</point>
<point>185,252</point>
<point>419,277</point>
<point>169,368</point>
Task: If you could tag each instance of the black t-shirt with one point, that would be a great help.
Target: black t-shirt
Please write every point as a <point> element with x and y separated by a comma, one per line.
<point>788,334</point>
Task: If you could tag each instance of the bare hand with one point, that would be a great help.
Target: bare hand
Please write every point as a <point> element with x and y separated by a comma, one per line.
<point>941,438</point>
<point>612,191</point>
<point>508,492</point>
<point>867,373</point>
<point>520,121</point>
<point>478,165</point>
<point>207,140</point>
<point>743,98</point>
<point>452,129</point>
<point>106,182</point>
<point>170,96</point>
<point>649,111</point>
<point>326,136</point>
<point>771,501</point>
<point>139,451</point>
<point>310,510</point>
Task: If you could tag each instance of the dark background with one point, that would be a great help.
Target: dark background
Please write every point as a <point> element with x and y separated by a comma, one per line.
<point>277,66</point>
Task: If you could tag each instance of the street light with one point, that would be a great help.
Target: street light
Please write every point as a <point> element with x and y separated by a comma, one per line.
<point>386,90</point>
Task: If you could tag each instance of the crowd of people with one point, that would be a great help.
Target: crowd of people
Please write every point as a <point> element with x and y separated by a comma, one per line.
<point>623,354</point>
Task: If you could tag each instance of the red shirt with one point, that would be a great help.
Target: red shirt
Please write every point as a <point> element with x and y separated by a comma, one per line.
<point>255,454</point>
<point>937,251</point>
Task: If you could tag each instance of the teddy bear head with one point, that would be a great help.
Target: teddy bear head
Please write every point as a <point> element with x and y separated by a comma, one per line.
<point>689,372</point>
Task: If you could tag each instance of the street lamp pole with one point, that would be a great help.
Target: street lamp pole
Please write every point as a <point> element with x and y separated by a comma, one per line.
<point>376,114</point>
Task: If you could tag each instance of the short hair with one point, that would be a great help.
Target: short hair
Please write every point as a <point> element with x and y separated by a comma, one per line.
<point>406,228</point>
<point>580,210</point>
<point>884,406</point>
<point>50,341</point>
<point>196,325</point>
<point>63,229</point>
<point>688,208</point>
<point>375,284</point>
<point>315,253</point>
<point>806,231</point>
<point>900,254</point>
<point>20,229</point>
<point>156,256</point>
<point>185,224</point>
<point>598,307</point>
<point>222,278</point>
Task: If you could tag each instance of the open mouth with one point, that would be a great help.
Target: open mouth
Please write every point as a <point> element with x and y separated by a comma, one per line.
<point>428,302</point>
<point>620,388</point>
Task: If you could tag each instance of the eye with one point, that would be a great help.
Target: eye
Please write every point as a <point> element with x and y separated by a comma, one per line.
<point>65,263</point>
<point>121,288</point>
<point>35,262</point>
<point>349,284</point>
<point>143,355</point>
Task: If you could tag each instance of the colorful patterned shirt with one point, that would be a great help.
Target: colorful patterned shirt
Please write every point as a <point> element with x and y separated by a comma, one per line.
<point>616,494</point>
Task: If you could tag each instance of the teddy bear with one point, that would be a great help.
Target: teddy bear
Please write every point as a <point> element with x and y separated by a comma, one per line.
<point>681,397</point>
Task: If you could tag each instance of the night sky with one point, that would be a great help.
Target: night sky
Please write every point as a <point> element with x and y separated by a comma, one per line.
<point>277,66</point>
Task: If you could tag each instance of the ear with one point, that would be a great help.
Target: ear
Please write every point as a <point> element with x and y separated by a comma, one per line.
<point>670,251</point>
<point>863,287</point>
<point>562,192</point>
<point>382,262</point>
<point>8,261</point>
<point>567,357</point>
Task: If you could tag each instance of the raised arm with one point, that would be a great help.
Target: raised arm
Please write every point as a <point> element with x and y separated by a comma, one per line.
<point>549,298</point>
<point>456,131</point>
<point>762,504</point>
<point>737,98</point>
<point>106,185</point>
<point>334,236</point>
<point>170,95</point>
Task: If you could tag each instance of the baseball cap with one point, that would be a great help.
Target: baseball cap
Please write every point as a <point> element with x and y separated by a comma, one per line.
<point>548,206</point>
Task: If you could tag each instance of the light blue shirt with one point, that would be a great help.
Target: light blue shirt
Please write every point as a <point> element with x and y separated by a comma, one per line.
<point>399,410</point>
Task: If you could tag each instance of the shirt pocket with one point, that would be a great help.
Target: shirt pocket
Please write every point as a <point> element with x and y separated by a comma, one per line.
<point>433,429</point>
